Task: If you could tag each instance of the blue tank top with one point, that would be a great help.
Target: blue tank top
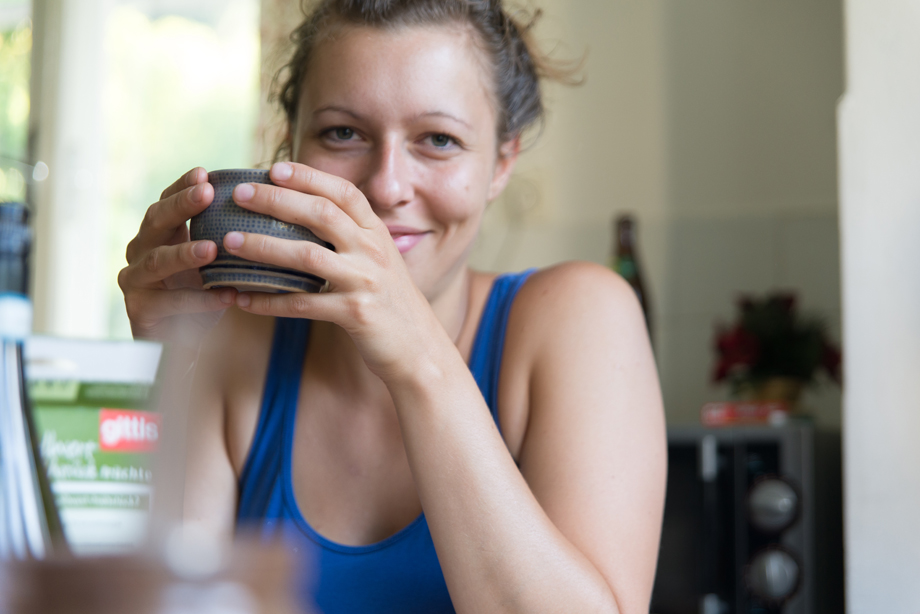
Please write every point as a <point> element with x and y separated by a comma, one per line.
<point>400,574</point>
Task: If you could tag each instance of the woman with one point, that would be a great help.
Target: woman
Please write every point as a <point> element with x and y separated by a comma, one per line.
<point>436,438</point>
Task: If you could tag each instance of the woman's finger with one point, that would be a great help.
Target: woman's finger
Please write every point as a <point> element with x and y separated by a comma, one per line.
<point>148,307</point>
<point>164,217</point>
<point>192,178</point>
<point>340,191</point>
<point>311,306</point>
<point>305,256</point>
<point>165,261</point>
<point>319,214</point>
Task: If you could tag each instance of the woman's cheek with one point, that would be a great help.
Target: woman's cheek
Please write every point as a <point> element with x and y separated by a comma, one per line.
<point>460,194</point>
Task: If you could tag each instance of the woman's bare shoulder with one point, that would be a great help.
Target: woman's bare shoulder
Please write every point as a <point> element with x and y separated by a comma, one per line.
<point>575,292</point>
<point>563,316</point>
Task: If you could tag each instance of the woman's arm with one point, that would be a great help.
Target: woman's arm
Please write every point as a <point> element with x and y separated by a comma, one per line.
<point>595,454</point>
<point>576,528</point>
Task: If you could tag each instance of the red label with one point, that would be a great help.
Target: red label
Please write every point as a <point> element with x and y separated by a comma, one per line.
<point>744,412</point>
<point>122,430</point>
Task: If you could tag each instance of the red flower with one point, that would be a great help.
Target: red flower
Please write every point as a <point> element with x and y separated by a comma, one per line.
<point>769,339</point>
<point>738,349</point>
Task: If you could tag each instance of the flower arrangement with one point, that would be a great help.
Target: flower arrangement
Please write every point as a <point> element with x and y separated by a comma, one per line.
<point>770,342</point>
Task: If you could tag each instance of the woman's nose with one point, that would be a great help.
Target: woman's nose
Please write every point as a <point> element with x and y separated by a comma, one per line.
<point>388,183</point>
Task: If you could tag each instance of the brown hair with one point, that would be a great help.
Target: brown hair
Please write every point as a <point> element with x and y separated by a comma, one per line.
<point>516,62</point>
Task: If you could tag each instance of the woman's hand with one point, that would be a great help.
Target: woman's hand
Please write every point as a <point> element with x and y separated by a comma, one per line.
<point>371,294</point>
<point>161,283</point>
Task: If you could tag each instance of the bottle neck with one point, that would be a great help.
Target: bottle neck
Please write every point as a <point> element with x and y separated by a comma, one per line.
<point>626,237</point>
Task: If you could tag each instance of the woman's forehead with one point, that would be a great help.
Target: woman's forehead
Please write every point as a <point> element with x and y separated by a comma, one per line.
<point>411,69</point>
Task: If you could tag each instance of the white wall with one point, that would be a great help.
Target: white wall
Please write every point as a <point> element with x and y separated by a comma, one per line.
<point>602,150</point>
<point>879,124</point>
<point>713,121</point>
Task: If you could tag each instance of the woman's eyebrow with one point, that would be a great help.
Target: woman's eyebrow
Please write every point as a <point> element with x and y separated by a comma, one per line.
<point>444,115</point>
<point>336,109</point>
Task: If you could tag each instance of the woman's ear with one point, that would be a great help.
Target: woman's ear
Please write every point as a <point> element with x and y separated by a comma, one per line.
<point>504,166</point>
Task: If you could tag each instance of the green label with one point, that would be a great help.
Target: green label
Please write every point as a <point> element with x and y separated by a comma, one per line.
<point>96,441</point>
<point>122,396</point>
<point>626,267</point>
<point>69,443</point>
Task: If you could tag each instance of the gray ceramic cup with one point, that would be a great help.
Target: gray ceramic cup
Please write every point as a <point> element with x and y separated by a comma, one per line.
<point>223,216</point>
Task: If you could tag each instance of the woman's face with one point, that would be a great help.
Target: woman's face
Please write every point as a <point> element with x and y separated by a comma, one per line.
<point>407,116</point>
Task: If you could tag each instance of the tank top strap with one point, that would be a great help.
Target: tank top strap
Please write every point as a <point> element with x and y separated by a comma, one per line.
<point>489,344</point>
<point>265,461</point>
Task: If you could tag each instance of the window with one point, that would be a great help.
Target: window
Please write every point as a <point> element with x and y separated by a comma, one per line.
<point>181,90</point>
<point>144,90</point>
<point>15,50</point>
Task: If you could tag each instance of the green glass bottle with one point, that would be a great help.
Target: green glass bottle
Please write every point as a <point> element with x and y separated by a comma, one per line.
<point>623,260</point>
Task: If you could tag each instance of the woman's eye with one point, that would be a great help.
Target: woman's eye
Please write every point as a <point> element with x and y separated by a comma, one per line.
<point>343,134</point>
<point>441,140</point>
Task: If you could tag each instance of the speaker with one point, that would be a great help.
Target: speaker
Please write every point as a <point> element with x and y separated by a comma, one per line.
<point>747,528</point>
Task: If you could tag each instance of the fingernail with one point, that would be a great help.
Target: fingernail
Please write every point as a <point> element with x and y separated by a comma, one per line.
<point>243,300</point>
<point>200,249</point>
<point>226,296</point>
<point>196,193</point>
<point>282,170</point>
<point>243,192</point>
<point>233,240</point>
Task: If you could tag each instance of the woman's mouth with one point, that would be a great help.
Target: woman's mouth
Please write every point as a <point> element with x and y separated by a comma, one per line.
<point>405,238</point>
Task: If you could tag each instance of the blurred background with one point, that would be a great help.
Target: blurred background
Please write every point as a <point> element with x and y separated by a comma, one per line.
<point>714,123</point>
<point>124,96</point>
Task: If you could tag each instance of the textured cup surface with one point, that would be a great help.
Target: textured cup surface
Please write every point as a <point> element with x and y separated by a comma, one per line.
<point>223,216</point>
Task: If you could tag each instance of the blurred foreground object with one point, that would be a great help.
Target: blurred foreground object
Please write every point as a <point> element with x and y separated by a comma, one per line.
<point>770,353</point>
<point>91,402</point>
<point>623,260</point>
<point>253,579</point>
<point>30,527</point>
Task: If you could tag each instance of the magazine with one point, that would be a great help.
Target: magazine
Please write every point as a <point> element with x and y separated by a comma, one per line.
<point>91,403</point>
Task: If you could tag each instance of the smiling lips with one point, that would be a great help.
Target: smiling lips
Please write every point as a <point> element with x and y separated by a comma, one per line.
<point>405,238</point>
